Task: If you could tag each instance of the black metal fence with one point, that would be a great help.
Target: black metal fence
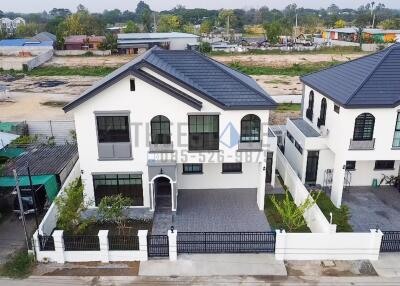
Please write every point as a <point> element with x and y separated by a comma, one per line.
<point>81,243</point>
<point>226,242</point>
<point>390,241</point>
<point>46,243</point>
<point>157,246</point>
<point>123,242</point>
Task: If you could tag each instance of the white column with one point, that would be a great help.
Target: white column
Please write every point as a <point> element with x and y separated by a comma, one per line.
<point>142,234</point>
<point>338,182</point>
<point>59,246</point>
<point>376,241</point>
<point>103,241</point>
<point>152,202</point>
<point>280,244</point>
<point>261,185</point>
<point>173,251</point>
<point>173,196</point>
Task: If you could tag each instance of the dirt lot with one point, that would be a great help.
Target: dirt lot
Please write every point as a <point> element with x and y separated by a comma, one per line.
<point>277,85</point>
<point>80,61</point>
<point>286,59</point>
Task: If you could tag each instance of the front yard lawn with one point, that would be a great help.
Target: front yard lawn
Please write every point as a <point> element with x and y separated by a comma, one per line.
<point>340,216</point>
<point>131,227</point>
<point>274,218</point>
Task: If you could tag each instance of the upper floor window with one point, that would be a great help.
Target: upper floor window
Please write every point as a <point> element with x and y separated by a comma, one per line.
<point>396,138</point>
<point>192,168</point>
<point>160,130</point>
<point>364,127</point>
<point>250,128</point>
<point>310,109</point>
<point>203,132</point>
<point>112,129</point>
<point>231,167</point>
<point>322,114</point>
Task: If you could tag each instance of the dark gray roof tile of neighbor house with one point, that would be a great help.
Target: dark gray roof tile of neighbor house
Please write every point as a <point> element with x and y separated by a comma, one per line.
<point>370,81</point>
<point>201,75</point>
<point>305,127</point>
<point>42,160</point>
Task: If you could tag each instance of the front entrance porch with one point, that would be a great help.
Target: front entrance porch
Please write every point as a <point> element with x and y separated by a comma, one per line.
<point>219,210</point>
<point>373,208</point>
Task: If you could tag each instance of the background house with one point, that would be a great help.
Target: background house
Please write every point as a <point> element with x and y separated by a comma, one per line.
<point>83,42</point>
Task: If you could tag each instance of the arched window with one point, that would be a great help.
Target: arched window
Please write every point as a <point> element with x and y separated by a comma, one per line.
<point>250,128</point>
<point>310,109</point>
<point>322,113</point>
<point>364,127</point>
<point>160,130</point>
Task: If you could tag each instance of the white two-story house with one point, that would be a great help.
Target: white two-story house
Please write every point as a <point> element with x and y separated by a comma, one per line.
<point>171,121</point>
<point>349,133</point>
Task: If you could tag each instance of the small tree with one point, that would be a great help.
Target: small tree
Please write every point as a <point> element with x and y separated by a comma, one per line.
<point>131,27</point>
<point>204,47</point>
<point>340,24</point>
<point>70,206</point>
<point>291,214</point>
<point>273,31</point>
<point>111,209</point>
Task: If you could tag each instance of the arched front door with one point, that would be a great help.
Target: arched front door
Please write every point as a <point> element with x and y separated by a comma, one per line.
<point>163,193</point>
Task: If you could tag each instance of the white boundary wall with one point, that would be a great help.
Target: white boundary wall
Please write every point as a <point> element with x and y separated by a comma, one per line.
<point>64,53</point>
<point>314,217</point>
<point>328,246</point>
<point>59,255</point>
<point>49,221</point>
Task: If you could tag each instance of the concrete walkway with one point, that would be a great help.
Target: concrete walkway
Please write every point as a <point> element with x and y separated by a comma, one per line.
<point>215,265</point>
<point>388,265</point>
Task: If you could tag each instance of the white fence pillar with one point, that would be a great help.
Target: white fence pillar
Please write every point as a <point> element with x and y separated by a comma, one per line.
<point>103,241</point>
<point>280,244</point>
<point>59,246</point>
<point>376,242</point>
<point>173,252</point>
<point>142,234</point>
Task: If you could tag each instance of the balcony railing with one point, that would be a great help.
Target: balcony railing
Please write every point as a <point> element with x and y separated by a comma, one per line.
<point>115,151</point>
<point>250,146</point>
<point>161,148</point>
<point>362,145</point>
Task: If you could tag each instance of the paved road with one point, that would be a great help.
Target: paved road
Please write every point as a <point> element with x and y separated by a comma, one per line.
<point>243,280</point>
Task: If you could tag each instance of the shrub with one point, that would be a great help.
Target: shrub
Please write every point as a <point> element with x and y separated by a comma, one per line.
<point>111,209</point>
<point>19,266</point>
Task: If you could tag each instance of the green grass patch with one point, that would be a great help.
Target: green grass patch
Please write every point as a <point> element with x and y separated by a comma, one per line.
<point>294,70</point>
<point>274,218</point>
<point>285,107</point>
<point>277,81</point>
<point>340,216</point>
<point>57,104</point>
<point>18,266</point>
<point>64,71</point>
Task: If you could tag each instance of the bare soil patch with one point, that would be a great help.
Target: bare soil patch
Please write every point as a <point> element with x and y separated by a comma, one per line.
<point>276,85</point>
<point>94,61</point>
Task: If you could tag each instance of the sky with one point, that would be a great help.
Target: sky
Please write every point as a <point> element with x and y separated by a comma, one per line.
<point>100,5</point>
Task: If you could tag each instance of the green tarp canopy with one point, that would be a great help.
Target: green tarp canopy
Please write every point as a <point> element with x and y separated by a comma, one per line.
<point>49,181</point>
<point>10,152</point>
<point>7,126</point>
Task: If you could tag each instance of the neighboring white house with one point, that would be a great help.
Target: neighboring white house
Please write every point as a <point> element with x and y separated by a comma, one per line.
<point>136,43</point>
<point>349,133</point>
<point>173,120</point>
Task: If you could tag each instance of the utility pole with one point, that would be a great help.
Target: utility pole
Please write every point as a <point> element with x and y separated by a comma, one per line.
<point>33,194</point>
<point>21,207</point>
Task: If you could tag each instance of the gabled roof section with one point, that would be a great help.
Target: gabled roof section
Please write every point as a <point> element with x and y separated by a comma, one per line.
<point>203,76</point>
<point>370,81</point>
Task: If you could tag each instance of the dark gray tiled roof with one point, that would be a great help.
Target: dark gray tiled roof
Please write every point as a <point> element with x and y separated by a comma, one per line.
<point>212,80</point>
<point>43,160</point>
<point>370,81</point>
<point>305,127</point>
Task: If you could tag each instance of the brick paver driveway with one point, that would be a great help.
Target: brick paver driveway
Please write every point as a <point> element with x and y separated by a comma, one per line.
<point>219,210</point>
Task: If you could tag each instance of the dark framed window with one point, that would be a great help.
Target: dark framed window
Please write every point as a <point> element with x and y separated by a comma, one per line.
<point>128,185</point>
<point>231,167</point>
<point>322,113</point>
<point>160,130</point>
<point>112,129</point>
<point>298,147</point>
<point>364,127</point>
<point>396,137</point>
<point>250,128</point>
<point>290,136</point>
<point>203,132</point>
<point>336,108</point>
<point>132,84</point>
<point>384,165</point>
<point>350,165</point>
<point>192,168</point>
<point>310,108</point>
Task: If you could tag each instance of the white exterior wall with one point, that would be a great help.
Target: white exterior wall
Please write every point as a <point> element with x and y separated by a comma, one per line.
<point>365,173</point>
<point>143,104</point>
<point>182,43</point>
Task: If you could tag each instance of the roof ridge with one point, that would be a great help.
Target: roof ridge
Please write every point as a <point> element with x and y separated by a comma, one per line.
<point>236,78</point>
<point>387,52</point>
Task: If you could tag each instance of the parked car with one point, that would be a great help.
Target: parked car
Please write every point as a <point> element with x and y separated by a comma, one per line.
<point>27,200</point>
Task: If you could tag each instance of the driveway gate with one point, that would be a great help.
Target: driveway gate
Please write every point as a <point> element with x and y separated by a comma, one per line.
<point>157,246</point>
<point>226,242</point>
<point>390,241</point>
